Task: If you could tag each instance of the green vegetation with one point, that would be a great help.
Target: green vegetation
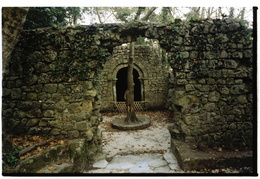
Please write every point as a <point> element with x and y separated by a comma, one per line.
<point>83,58</point>
<point>39,17</point>
<point>11,158</point>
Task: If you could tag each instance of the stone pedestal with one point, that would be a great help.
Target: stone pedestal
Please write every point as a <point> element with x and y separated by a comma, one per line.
<point>122,125</point>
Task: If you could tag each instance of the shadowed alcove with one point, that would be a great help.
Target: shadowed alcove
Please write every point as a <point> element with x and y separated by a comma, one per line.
<point>121,85</point>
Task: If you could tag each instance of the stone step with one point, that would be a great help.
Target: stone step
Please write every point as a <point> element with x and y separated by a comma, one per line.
<point>57,168</point>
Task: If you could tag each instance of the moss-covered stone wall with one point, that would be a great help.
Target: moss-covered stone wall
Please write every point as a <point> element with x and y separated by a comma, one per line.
<point>53,84</point>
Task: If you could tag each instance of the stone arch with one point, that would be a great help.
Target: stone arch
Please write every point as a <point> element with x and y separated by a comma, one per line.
<point>115,79</point>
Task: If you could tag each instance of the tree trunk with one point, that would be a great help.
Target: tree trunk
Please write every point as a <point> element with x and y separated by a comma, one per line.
<point>99,17</point>
<point>146,17</point>
<point>138,13</point>
<point>231,12</point>
<point>129,94</point>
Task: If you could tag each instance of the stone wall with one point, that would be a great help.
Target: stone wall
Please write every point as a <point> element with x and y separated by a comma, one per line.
<point>210,88</point>
<point>41,99</point>
<point>152,76</point>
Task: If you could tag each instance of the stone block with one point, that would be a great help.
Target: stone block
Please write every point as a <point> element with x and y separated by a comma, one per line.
<point>73,134</point>
<point>184,54</point>
<point>6,92</point>
<point>16,93</point>
<point>223,54</point>
<point>35,112</point>
<point>69,126</point>
<point>31,96</point>
<point>237,54</point>
<point>87,106</point>
<point>183,101</point>
<point>33,122</point>
<point>33,130</point>
<point>7,113</point>
<point>193,54</point>
<point>44,78</point>
<point>55,131</point>
<point>248,53</point>
<point>222,38</point>
<point>210,107</point>
<point>48,113</point>
<point>204,88</point>
<point>100,164</point>
<point>230,64</point>
<point>238,89</point>
<point>242,99</point>
<point>189,87</point>
<point>91,93</point>
<point>43,123</point>
<point>19,114</point>
<point>55,124</point>
<point>202,81</point>
<point>224,90</point>
<point>50,88</point>
<point>83,125</point>
<point>194,99</point>
<point>74,108</point>
<point>181,81</point>
<point>89,135</point>
<point>31,79</point>
<point>214,96</point>
<point>46,130</point>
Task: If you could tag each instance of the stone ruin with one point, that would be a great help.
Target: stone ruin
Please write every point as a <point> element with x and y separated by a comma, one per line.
<point>150,78</point>
<point>210,89</point>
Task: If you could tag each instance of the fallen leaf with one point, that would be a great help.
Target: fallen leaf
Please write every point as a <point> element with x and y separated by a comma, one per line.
<point>40,171</point>
<point>220,149</point>
<point>58,163</point>
<point>50,168</point>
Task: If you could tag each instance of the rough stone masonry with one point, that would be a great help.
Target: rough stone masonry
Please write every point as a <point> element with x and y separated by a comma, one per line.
<point>210,87</point>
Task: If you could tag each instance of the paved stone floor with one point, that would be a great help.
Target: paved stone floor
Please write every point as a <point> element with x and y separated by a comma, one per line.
<point>141,163</point>
<point>139,151</point>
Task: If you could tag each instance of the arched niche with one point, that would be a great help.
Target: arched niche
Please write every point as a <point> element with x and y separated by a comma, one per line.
<point>120,85</point>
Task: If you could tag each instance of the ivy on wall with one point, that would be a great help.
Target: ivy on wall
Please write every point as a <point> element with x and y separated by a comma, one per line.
<point>82,58</point>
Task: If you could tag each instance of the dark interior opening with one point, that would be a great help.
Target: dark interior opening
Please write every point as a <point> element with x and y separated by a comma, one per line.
<point>121,85</point>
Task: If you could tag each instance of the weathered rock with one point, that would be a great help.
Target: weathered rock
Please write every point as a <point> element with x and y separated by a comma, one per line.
<point>214,96</point>
<point>50,88</point>
<point>16,93</point>
<point>73,134</point>
<point>48,113</point>
<point>32,122</point>
<point>55,131</point>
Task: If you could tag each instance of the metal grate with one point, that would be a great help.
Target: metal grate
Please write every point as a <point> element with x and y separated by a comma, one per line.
<point>121,106</point>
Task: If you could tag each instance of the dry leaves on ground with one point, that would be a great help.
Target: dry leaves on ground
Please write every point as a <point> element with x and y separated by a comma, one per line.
<point>23,142</point>
<point>155,116</point>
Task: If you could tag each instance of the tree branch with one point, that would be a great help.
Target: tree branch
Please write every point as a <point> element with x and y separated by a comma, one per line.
<point>146,17</point>
<point>138,13</point>
<point>99,18</point>
<point>31,147</point>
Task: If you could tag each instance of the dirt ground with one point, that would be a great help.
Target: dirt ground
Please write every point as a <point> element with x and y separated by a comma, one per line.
<point>154,139</point>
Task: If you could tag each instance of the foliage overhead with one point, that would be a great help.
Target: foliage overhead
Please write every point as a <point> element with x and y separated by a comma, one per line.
<point>62,16</point>
<point>38,17</point>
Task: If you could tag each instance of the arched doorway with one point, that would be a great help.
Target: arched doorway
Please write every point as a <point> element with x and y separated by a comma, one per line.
<point>121,85</point>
